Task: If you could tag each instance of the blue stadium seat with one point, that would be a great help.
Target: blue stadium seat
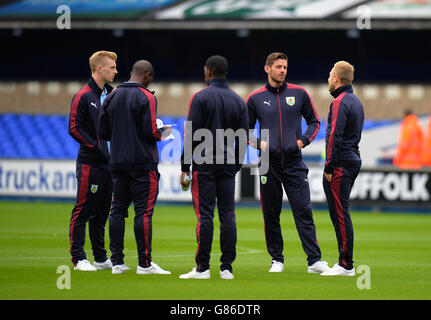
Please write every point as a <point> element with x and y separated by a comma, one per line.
<point>47,137</point>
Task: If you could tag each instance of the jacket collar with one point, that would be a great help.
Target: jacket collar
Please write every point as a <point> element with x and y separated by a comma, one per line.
<point>218,82</point>
<point>93,85</point>
<point>339,90</point>
<point>278,89</point>
<point>131,84</point>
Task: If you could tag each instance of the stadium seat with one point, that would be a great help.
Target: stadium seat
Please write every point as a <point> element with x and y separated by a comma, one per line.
<point>47,137</point>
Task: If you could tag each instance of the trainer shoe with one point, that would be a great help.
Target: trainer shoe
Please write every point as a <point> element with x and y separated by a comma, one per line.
<point>84,265</point>
<point>103,265</point>
<point>196,275</point>
<point>276,266</point>
<point>338,270</point>
<point>226,274</point>
<point>120,269</point>
<point>123,267</point>
<point>318,267</point>
<point>154,269</point>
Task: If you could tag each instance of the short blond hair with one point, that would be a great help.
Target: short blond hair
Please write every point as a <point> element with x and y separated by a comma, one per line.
<point>96,58</point>
<point>345,71</point>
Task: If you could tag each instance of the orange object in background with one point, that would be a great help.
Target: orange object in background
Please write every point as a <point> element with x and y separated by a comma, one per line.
<point>410,144</point>
<point>426,148</point>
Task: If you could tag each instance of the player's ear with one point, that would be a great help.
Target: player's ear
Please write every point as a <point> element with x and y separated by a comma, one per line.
<point>145,79</point>
<point>266,68</point>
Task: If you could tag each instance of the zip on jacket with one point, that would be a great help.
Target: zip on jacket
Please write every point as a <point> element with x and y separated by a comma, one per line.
<point>280,110</point>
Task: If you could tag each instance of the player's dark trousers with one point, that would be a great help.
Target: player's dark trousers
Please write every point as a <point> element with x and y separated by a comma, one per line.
<point>337,194</point>
<point>207,188</point>
<point>141,187</point>
<point>92,205</point>
<point>294,179</point>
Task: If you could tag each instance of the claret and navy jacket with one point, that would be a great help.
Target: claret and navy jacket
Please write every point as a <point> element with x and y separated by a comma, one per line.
<point>83,124</point>
<point>216,108</point>
<point>128,120</point>
<point>343,132</point>
<point>281,111</point>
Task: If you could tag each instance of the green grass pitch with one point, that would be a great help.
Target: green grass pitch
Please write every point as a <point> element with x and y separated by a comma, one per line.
<point>34,243</point>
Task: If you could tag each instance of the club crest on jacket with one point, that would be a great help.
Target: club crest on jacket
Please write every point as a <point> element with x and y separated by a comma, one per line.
<point>94,188</point>
<point>290,101</point>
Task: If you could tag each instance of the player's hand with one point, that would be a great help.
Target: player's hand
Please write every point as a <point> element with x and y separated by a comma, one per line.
<point>263,146</point>
<point>328,176</point>
<point>183,181</point>
<point>167,130</point>
<point>300,144</point>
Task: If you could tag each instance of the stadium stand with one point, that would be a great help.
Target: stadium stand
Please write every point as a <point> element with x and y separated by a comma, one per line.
<point>381,102</point>
<point>38,136</point>
<point>35,136</point>
<point>36,92</point>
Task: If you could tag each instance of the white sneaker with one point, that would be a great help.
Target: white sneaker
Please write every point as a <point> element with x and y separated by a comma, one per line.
<point>123,267</point>
<point>196,275</point>
<point>120,269</point>
<point>103,265</point>
<point>276,266</point>
<point>226,274</point>
<point>154,269</point>
<point>318,267</point>
<point>84,265</point>
<point>338,270</point>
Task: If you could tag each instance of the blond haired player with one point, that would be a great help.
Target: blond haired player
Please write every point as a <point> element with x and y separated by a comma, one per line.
<point>94,181</point>
<point>343,161</point>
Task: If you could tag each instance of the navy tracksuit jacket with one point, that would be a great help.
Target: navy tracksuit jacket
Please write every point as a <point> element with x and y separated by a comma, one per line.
<point>215,108</point>
<point>343,161</point>
<point>280,110</point>
<point>128,120</point>
<point>94,194</point>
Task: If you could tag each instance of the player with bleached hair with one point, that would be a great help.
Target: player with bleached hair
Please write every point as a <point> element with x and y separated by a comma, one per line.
<point>94,195</point>
<point>343,160</point>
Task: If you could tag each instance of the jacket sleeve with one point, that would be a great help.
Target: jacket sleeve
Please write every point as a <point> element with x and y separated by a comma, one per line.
<point>312,118</point>
<point>252,118</point>
<point>77,117</point>
<point>104,130</point>
<point>151,132</point>
<point>192,124</point>
<point>335,136</point>
<point>242,139</point>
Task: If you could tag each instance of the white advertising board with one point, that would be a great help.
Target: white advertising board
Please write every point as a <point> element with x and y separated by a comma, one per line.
<point>56,179</point>
<point>376,186</point>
